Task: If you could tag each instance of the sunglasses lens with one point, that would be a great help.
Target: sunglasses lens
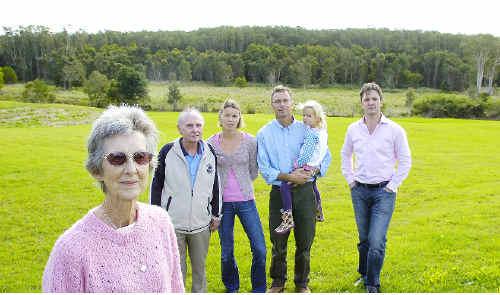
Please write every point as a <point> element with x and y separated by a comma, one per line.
<point>142,158</point>
<point>116,159</point>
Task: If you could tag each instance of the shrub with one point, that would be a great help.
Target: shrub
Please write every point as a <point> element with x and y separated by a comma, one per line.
<point>130,87</point>
<point>174,95</point>
<point>113,92</point>
<point>1,79</point>
<point>492,109</point>
<point>410,97</point>
<point>250,109</point>
<point>97,87</point>
<point>214,104</point>
<point>240,82</point>
<point>9,75</point>
<point>448,105</point>
<point>483,96</point>
<point>38,91</point>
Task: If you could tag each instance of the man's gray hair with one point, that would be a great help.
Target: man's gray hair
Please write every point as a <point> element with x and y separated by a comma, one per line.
<point>280,89</point>
<point>119,120</point>
<point>189,111</point>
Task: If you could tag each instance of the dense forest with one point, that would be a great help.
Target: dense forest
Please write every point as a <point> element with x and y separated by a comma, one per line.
<point>293,56</point>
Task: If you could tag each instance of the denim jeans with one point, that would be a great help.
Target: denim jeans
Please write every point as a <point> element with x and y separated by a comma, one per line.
<point>249,218</point>
<point>373,208</point>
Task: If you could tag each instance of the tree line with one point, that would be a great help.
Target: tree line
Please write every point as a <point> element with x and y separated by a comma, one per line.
<point>292,56</point>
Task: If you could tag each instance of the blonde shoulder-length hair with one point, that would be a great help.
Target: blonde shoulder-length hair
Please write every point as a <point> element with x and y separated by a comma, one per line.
<point>317,110</point>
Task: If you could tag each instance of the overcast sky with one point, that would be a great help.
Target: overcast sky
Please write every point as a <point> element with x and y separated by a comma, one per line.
<point>459,16</point>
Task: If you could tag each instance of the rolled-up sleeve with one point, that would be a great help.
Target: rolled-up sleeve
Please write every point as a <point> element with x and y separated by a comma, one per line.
<point>403,155</point>
<point>269,173</point>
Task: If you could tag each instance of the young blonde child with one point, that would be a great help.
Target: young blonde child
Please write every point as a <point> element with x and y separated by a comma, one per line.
<point>311,153</point>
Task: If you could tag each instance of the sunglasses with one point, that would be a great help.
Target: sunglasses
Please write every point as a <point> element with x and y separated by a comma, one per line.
<point>119,158</point>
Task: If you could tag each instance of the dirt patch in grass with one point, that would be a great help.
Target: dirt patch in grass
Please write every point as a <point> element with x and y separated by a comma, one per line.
<point>26,116</point>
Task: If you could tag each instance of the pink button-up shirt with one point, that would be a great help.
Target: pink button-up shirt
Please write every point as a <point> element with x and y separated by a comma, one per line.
<point>376,154</point>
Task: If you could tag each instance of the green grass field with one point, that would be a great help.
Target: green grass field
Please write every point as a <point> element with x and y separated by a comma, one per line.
<point>444,235</point>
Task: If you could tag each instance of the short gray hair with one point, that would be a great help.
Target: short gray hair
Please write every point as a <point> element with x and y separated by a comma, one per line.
<point>119,120</point>
<point>189,111</point>
<point>281,89</point>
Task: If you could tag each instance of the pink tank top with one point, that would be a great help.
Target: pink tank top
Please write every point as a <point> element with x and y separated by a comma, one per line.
<point>232,191</point>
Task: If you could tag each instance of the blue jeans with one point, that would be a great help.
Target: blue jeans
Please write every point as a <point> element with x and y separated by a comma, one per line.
<point>249,218</point>
<point>373,208</point>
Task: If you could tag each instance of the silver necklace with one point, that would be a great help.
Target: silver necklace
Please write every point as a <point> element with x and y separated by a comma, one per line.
<point>106,217</point>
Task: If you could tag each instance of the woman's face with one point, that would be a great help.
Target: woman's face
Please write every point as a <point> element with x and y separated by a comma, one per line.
<point>229,118</point>
<point>125,181</point>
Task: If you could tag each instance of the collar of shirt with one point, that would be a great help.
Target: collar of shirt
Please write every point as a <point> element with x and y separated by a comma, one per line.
<point>294,124</point>
<point>198,152</point>
<point>193,161</point>
<point>383,120</point>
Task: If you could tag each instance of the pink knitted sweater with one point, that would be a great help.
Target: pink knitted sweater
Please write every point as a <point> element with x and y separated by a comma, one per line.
<point>93,257</point>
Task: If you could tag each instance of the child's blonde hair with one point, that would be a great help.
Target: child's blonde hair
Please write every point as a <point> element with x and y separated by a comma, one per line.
<point>318,111</point>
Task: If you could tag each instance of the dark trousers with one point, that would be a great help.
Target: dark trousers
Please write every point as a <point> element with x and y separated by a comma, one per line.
<point>304,215</point>
<point>286,195</point>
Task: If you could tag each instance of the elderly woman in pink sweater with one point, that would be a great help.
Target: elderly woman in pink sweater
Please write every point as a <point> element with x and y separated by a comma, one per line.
<point>121,245</point>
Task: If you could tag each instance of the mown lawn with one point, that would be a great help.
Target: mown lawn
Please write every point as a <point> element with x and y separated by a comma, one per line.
<point>444,235</point>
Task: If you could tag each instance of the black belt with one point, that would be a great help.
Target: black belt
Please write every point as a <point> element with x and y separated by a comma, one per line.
<point>277,187</point>
<point>373,185</point>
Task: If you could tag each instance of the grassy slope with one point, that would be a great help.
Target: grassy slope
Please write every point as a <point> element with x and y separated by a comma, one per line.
<point>443,236</point>
<point>338,101</point>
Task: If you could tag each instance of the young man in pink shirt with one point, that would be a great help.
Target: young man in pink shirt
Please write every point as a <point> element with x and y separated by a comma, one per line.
<point>378,144</point>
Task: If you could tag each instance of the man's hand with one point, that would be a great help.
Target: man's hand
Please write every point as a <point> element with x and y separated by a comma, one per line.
<point>214,223</point>
<point>388,190</point>
<point>299,176</point>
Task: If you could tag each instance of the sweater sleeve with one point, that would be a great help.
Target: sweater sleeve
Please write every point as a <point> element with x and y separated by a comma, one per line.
<point>63,272</point>
<point>252,161</point>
